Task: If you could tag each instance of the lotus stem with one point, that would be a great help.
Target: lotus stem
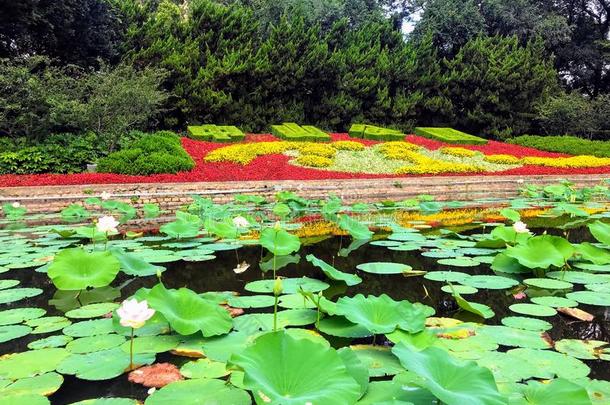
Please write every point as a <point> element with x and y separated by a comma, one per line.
<point>131,351</point>
<point>275,314</point>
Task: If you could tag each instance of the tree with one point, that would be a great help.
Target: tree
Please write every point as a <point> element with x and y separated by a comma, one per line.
<point>73,31</point>
<point>494,84</point>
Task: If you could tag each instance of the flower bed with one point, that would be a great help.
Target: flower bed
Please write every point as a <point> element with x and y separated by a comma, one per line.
<point>278,167</point>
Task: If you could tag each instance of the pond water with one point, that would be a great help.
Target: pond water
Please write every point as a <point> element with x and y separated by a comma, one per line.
<point>438,254</point>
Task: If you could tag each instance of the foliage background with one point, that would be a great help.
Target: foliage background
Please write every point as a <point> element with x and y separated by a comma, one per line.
<point>490,67</point>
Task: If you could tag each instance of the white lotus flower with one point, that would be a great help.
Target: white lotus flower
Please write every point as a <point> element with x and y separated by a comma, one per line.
<point>134,314</point>
<point>16,204</point>
<point>241,268</point>
<point>107,224</point>
<point>105,195</point>
<point>520,227</point>
<point>241,222</point>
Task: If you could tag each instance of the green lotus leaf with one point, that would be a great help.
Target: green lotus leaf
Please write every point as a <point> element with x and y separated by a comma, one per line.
<point>152,344</point>
<point>558,391</point>
<point>289,285</point>
<point>18,315</point>
<point>101,365</point>
<point>533,309</point>
<point>280,369</point>
<point>48,324</point>
<point>135,266</point>
<point>220,348</point>
<point>510,214</point>
<point>26,399</point>
<point>394,393</point>
<point>279,242</point>
<point>31,363</point>
<point>151,210</point>
<point>204,368</point>
<point>17,294</point>
<point>199,392</point>
<point>251,301</point>
<point>579,277</point>
<point>521,322</point>
<point>295,301</point>
<point>188,313</point>
<point>555,302</point>
<point>224,229</point>
<point>51,341</point>
<point>460,289</point>
<point>180,229</point>
<point>77,269</point>
<point>44,384</point>
<point>590,298</point>
<point>490,282</point>
<point>584,349</point>
<point>548,283</point>
<point>92,310</point>
<point>355,228</point>
<point>384,268</point>
<point>548,364</point>
<point>4,284</point>
<point>592,253</point>
<point>542,252</point>
<point>382,314</point>
<point>600,231</point>
<point>108,401</point>
<point>254,323</point>
<point>459,262</point>
<point>90,328</point>
<point>10,332</point>
<point>476,308</point>
<point>279,262</point>
<point>333,273</point>
<point>506,264</point>
<point>95,343</point>
<point>341,327</point>
<point>452,381</point>
<point>447,276</point>
<point>508,336</point>
<point>378,359</point>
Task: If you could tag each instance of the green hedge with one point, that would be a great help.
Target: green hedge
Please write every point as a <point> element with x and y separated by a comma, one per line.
<point>449,135</point>
<point>564,144</point>
<point>160,152</point>
<point>216,133</point>
<point>375,133</point>
<point>290,131</point>
<point>61,153</point>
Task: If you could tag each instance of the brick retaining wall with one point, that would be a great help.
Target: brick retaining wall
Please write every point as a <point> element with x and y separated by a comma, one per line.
<point>174,195</point>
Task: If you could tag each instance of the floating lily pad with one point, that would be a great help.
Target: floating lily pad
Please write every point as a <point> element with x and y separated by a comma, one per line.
<point>253,323</point>
<point>107,401</point>
<point>379,360</point>
<point>51,341</point>
<point>508,336</point>
<point>447,276</point>
<point>17,294</point>
<point>548,364</point>
<point>459,262</point>
<point>44,384</point>
<point>48,324</point>
<point>521,322</point>
<point>555,302</point>
<point>579,277</point>
<point>252,301</point>
<point>295,301</point>
<point>490,282</point>
<point>333,273</point>
<point>384,268</point>
<point>4,284</point>
<point>100,365</point>
<point>590,298</point>
<point>204,368</point>
<point>92,310</point>
<point>10,332</point>
<point>89,328</point>
<point>533,309</point>
<point>584,349</point>
<point>151,344</point>
<point>95,343</point>
<point>30,363</point>
<point>341,327</point>
<point>289,285</point>
<point>18,315</point>
<point>199,391</point>
<point>460,289</point>
<point>548,283</point>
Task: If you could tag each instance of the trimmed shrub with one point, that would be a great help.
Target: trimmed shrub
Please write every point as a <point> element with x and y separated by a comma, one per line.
<point>290,131</point>
<point>347,145</point>
<point>564,144</point>
<point>449,135</point>
<point>216,133</point>
<point>375,133</point>
<point>160,152</point>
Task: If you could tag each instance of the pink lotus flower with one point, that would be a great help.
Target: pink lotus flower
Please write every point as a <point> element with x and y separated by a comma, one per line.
<point>134,314</point>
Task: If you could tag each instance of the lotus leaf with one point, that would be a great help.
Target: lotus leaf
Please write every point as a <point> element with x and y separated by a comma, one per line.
<point>77,269</point>
<point>100,365</point>
<point>199,392</point>
<point>542,252</point>
<point>333,273</point>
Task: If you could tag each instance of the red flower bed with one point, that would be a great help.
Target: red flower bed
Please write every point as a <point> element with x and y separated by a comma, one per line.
<point>276,167</point>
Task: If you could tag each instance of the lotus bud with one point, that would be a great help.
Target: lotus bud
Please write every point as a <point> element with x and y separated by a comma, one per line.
<point>277,226</point>
<point>159,274</point>
<point>277,287</point>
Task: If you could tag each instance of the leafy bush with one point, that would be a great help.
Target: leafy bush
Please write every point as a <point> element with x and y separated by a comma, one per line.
<point>61,153</point>
<point>375,133</point>
<point>449,135</point>
<point>160,152</point>
<point>564,144</point>
<point>293,132</point>
<point>573,114</point>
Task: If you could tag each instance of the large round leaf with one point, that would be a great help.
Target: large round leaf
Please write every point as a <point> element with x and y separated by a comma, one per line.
<point>101,365</point>
<point>199,392</point>
<point>453,382</point>
<point>279,242</point>
<point>28,364</point>
<point>332,273</point>
<point>382,314</point>
<point>280,369</point>
<point>77,269</point>
<point>542,252</point>
<point>558,391</point>
<point>188,313</point>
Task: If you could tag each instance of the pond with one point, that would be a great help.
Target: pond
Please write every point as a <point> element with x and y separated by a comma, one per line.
<point>508,292</point>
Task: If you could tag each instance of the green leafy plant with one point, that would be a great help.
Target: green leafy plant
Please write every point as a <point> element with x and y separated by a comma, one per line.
<point>77,269</point>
